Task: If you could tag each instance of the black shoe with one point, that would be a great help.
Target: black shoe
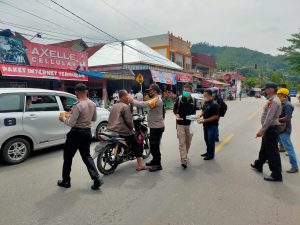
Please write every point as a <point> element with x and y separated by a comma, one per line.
<point>97,183</point>
<point>270,178</point>
<point>155,168</point>
<point>151,163</point>
<point>208,158</point>
<point>258,169</point>
<point>65,184</point>
<point>184,164</point>
<point>204,155</point>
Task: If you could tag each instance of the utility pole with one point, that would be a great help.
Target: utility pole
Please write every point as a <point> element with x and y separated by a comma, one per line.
<point>122,43</point>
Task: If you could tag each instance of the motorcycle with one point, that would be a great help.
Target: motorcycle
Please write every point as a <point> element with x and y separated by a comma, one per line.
<point>112,150</point>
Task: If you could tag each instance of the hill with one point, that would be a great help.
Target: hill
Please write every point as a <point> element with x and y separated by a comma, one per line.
<point>241,59</point>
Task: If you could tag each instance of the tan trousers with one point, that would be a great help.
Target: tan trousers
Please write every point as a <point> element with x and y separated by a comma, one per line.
<point>185,139</point>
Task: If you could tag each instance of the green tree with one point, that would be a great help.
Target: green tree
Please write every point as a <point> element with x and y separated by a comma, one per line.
<point>276,77</point>
<point>250,81</point>
<point>292,52</point>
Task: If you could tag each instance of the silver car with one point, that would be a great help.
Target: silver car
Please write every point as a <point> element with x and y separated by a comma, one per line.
<point>29,121</point>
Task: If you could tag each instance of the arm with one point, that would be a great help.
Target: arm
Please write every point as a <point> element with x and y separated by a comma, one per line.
<point>71,121</point>
<point>175,108</point>
<point>140,103</point>
<point>288,114</point>
<point>210,119</point>
<point>94,118</point>
<point>270,115</point>
<point>127,116</point>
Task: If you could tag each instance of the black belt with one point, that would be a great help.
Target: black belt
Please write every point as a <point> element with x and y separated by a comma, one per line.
<point>80,129</point>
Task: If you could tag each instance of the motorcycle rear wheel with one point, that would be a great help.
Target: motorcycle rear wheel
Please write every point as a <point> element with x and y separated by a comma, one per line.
<point>104,161</point>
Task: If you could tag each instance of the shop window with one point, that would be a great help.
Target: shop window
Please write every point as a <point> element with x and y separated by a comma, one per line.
<point>41,103</point>
<point>10,103</point>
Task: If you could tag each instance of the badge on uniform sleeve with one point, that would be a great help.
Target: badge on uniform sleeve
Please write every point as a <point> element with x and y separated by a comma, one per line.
<point>270,104</point>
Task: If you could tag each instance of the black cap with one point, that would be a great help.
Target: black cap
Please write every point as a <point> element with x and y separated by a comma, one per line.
<point>282,85</point>
<point>80,87</point>
<point>271,85</point>
<point>155,87</point>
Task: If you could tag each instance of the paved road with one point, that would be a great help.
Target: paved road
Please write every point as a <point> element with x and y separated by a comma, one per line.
<point>224,191</point>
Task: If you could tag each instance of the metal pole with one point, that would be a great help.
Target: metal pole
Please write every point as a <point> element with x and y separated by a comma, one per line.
<point>122,43</point>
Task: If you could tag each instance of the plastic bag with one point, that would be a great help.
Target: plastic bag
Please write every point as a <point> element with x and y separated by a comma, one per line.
<point>193,127</point>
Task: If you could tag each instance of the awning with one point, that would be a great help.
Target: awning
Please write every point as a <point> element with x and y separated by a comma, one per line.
<point>12,70</point>
<point>91,73</point>
<point>163,77</point>
<point>211,82</point>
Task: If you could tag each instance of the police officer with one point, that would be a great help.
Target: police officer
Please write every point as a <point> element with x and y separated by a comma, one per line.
<point>270,135</point>
<point>155,123</point>
<point>82,114</point>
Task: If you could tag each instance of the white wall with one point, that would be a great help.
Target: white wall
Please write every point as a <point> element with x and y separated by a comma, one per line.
<point>154,41</point>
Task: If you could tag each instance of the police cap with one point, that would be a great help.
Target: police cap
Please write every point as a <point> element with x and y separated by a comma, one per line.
<point>271,85</point>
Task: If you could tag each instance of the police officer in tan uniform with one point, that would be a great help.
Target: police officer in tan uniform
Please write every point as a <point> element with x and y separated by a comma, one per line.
<point>270,136</point>
<point>80,120</point>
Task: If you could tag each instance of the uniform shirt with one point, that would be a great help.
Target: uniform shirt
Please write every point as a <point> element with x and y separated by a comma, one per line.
<point>186,107</point>
<point>155,115</point>
<point>287,111</point>
<point>139,96</point>
<point>82,114</point>
<point>211,108</point>
<point>120,119</point>
<point>271,113</point>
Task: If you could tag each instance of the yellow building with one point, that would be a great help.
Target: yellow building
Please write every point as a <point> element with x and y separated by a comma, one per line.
<point>172,47</point>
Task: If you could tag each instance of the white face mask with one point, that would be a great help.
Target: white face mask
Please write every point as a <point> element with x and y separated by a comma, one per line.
<point>206,99</point>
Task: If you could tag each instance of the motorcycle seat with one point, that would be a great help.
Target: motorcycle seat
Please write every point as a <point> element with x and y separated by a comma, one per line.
<point>110,134</point>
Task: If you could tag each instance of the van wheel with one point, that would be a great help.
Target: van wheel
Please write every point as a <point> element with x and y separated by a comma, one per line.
<point>15,151</point>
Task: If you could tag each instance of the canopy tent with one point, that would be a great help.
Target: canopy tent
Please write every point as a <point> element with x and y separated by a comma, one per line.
<point>211,83</point>
<point>134,51</point>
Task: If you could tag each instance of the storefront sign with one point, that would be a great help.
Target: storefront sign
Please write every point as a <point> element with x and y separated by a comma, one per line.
<point>163,77</point>
<point>184,78</point>
<point>16,51</point>
<point>39,72</point>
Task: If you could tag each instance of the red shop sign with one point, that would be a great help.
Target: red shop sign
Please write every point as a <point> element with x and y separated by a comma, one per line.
<point>39,72</point>
<point>184,78</point>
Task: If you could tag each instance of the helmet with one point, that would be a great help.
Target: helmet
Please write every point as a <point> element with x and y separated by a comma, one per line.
<point>284,91</point>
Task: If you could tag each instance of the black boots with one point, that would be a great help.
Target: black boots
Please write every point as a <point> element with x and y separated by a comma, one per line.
<point>65,184</point>
<point>97,183</point>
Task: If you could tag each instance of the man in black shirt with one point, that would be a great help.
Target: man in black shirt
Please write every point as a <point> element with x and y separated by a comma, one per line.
<point>184,106</point>
<point>210,114</point>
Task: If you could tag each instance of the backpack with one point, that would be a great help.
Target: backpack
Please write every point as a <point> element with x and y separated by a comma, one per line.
<point>223,107</point>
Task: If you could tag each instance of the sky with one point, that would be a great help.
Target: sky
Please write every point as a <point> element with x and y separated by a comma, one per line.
<point>262,25</point>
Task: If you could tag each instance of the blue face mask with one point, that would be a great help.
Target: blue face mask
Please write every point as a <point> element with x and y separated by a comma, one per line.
<point>186,94</point>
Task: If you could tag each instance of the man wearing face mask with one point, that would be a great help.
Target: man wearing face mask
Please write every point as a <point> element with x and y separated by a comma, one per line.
<point>270,136</point>
<point>155,123</point>
<point>80,120</point>
<point>183,107</point>
<point>210,114</point>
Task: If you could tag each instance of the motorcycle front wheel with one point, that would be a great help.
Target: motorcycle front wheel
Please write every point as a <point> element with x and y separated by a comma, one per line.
<point>146,150</point>
<point>105,161</point>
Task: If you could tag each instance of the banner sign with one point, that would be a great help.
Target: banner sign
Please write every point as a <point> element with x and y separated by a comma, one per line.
<point>163,77</point>
<point>184,78</point>
<point>16,51</point>
<point>39,72</point>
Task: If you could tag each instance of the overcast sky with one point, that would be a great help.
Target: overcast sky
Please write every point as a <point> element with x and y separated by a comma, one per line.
<point>262,25</point>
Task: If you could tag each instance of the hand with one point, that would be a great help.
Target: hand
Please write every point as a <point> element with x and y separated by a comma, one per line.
<point>178,117</point>
<point>202,121</point>
<point>130,100</point>
<point>259,134</point>
<point>62,117</point>
<point>198,116</point>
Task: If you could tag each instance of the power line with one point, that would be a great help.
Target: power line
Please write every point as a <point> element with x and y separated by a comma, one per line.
<point>45,5</point>
<point>46,31</point>
<point>141,52</point>
<point>85,21</point>
<point>127,17</point>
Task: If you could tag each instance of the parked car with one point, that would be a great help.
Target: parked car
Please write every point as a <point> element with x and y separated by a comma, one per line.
<point>29,121</point>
